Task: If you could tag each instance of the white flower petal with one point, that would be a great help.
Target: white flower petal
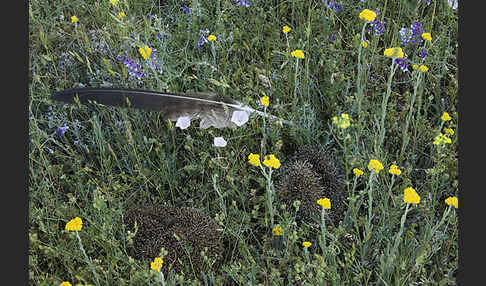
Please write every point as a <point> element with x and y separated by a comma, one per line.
<point>219,142</point>
<point>183,122</point>
<point>239,117</point>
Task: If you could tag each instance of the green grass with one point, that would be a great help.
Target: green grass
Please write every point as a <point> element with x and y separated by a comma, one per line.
<point>111,159</point>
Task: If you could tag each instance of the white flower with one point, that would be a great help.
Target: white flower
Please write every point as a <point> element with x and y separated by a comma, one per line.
<point>239,117</point>
<point>453,3</point>
<point>183,122</point>
<point>219,142</point>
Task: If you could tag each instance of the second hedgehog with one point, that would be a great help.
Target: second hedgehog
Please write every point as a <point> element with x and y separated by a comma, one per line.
<point>310,174</point>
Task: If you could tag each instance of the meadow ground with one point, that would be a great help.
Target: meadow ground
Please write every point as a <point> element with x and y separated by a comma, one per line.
<point>384,119</point>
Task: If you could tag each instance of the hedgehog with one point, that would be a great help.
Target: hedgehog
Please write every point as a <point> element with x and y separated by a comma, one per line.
<point>310,174</point>
<point>183,232</point>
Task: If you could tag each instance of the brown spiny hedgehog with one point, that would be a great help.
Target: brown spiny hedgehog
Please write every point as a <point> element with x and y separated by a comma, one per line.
<point>310,174</point>
<point>157,226</point>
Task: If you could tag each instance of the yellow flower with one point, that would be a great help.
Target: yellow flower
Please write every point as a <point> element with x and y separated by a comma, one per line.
<point>211,38</point>
<point>145,52</point>
<point>65,283</point>
<point>306,244</point>
<point>325,203</point>
<point>394,170</point>
<point>254,159</point>
<point>114,2</point>
<point>343,121</point>
<point>426,36</point>
<point>446,116</point>
<point>74,19</point>
<point>286,29</point>
<point>357,172</point>
<point>375,165</point>
<point>265,100</point>
<point>121,15</point>
<point>423,68</point>
<point>414,66</point>
<point>452,201</point>
<point>277,231</point>
<point>449,130</point>
<point>364,44</point>
<point>441,138</point>
<point>394,52</point>
<point>298,54</point>
<point>271,161</point>
<point>410,196</point>
<point>156,264</point>
<point>75,224</point>
<point>367,15</point>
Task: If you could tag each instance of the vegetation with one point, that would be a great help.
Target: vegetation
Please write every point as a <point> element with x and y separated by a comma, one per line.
<point>332,72</point>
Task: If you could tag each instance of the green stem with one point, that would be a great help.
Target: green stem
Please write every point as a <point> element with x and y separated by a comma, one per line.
<point>88,260</point>
<point>384,106</point>
<point>405,136</point>
<point>359,84</point>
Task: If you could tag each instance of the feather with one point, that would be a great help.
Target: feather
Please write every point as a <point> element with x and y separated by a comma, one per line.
<point>212,109</point>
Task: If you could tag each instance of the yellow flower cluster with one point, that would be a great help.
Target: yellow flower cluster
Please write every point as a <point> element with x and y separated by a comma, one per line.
<point>375,165</point>
<point>441,138</point>
<point>212,38</point>
<point>445,117</point>
<point>65,283</point>
<point>265,101</point>
<point>452,201</point>
<point>157,264</point>
<point>277,231</point>
<point>286,29</point>
<point>325,203</point>
<point>297,54</point>
<point>394,52</point>
<point>343,121</point>
<point>394,170</point>
<point>74,19</point>
<point>271,161</point>
<point>75,224</point>
<point>145,52</point>
<point>357,172</point>
<point>427,36</point>
<point>121,15</point>
<point>367,15</point>
<point>449,131</point>
<point>410,196</point>
<point>422,68</point>
<point>114,2</point>
<point>306,244</point>
<point>254,159</point>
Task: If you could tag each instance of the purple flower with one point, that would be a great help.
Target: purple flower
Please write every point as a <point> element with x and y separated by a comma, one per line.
<point>149,16</point>
<point>378,26</point>
<point>245,3</point>
<point>422,54</point>
<point>134,67</point>
<point>428,1</point>
<point>332,38</point>
<point>158,36</point>
<point>333,5</point>
<point>402,63</point>
<point>201,41</point>
<point>61,130</point>
<point>185,9</point>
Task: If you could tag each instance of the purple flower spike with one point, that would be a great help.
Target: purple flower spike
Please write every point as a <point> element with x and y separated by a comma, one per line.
<point>402,63</point>
<point>245,3</point>
<point>422,54</point>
